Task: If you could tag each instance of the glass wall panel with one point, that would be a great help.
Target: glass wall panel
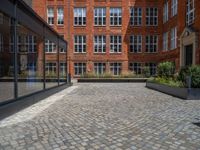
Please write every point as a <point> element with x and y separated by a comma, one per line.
<point>63,65</point>
<point>6,59</point>
<point>30,61</point>
<point>51,64</point>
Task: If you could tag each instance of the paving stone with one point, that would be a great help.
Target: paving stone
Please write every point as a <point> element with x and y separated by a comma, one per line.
<point>104,116</point>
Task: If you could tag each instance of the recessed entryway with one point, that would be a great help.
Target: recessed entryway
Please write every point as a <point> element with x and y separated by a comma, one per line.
<point>188,55</point>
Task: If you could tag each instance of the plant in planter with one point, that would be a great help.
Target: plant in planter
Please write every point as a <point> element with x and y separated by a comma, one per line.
<point>166,69</point>
<point>146,71</point>
<point>193,72</point>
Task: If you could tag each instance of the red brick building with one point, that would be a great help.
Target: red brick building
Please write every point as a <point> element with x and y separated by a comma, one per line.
<point>121,35</point>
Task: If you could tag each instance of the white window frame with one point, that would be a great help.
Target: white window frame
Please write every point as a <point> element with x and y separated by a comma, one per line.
<point>50,47</point>
<point>99,44</point>
<point>50,15</point>
<point>100,16</point>
<point>80,44</point>
<point>150,43</point>
<point>50,67</point>
<point>115,16</point>
<point>136,67</point>
<point>135,16</point>
<point>152,16</point>
<point>165,41</point>
<point>173,38</point>
<point>80,16</point>
<point>63,68</point>
<point>60,16</point>
<point>166,12</point>
<point>99,68</point>
<point>116,68</point>
<point>115,44</point>
<point>31,44</point>
<point>135,44</point>
<point>81,68</point>
<point>174,7</point>
<point>152,67</point>
<point>190,12</point>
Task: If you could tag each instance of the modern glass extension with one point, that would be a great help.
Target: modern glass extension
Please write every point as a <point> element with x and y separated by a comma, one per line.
<point>33,56</point>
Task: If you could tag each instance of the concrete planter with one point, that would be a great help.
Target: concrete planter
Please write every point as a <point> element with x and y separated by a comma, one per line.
<point>142,80</point>
<point>184,93</point>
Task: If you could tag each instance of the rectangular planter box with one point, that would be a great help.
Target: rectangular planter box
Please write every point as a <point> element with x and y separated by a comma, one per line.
<point>184,93</point>
<point>142,80</point>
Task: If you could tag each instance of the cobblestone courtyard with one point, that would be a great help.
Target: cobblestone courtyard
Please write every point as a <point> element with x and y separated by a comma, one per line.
<point>105,116</point>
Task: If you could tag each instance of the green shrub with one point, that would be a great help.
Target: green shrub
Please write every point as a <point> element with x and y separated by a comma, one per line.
<point>89,75</point>
<point>193,72</point>
<point>146,72</point>
<point>127,75</point>
<point>166,69</point>
<point>167,81</point>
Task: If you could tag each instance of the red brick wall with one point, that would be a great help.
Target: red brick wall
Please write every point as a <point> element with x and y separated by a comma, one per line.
<point>125,30</point>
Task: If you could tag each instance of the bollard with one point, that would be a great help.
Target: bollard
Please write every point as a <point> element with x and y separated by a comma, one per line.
<point>189,81</point>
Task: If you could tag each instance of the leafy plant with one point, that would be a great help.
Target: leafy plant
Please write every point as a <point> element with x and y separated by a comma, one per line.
<point>128,74</point>
<point>193,72</point>
<point>167,81</point>
<point>166,69</point>
<point>146,72</point>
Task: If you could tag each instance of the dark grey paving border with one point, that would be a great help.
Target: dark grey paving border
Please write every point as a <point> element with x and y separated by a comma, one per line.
<point>117,80</point>
<point>184,93</point>
<point>11,107</point>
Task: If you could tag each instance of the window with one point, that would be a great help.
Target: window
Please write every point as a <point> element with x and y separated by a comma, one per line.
<point>190,12</point>
<point>136,16</point>
<point>115,68</point>
<point>19,43</point>
<point>165,41</point>
<point>79,16</point>
<point>12,44</point>
<point>115,44</point>
<point>136,67</point>
<point>80,44</point>
<point>151,16</point>
<point>63,69</point>
<point>31,44</point>
<point>50,16</point>
<point>173,38</point>
<point>174,7</point>
<point>100,44</point>
<point>151,43</point>
<point>135,43</point>
<point>79,68</point>
<point>1,18</point>
<point>152,68</point>
<point>99,68</point>
<point>1,42</point>
<point>50,69</point>
<point>100,16</point>
<point>165,12</point>
<point>62,50</point>
<point>50,47</point>
<point>60,16</point>
<point>31,66</point>
<point>115,16</point>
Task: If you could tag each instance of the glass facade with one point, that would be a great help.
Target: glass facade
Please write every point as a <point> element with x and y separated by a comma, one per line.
<point>25,65</point>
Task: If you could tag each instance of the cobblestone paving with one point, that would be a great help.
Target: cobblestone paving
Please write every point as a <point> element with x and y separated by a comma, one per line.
<point>108,116</point>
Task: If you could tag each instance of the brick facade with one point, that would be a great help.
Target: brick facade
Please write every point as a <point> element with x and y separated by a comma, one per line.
<point>125,30</point>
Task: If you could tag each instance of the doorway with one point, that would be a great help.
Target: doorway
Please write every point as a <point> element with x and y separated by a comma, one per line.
<point>189,55</point>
